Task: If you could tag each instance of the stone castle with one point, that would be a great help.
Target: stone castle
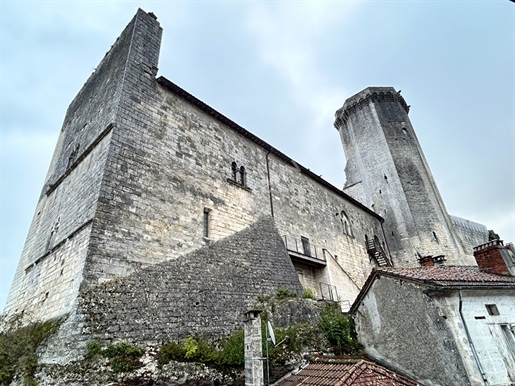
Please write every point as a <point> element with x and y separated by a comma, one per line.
<point>160,216</point>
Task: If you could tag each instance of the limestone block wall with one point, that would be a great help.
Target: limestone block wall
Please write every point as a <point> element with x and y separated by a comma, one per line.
<point>96,105</point>
<point>171,163</point>
<point>396,313</point>
<point>152,173</point>
<point>50,268</point>
<point>204,292</point>
<point>68,201</point>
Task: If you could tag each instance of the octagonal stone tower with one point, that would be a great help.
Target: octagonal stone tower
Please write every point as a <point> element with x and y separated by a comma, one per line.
<point>386,170</point>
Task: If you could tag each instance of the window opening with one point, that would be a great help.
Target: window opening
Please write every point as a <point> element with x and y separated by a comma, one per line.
<point>53,232</point>
<point>306,245</point>
<point>345,223</point>
<point>234,169</point>
<point>206,222</point>
<point>243,176</point>
<point>73,155</point>
<point>492,309</point>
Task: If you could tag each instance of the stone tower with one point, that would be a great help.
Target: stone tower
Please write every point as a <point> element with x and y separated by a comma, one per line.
<point>64,247</point>
<point>386,170</point>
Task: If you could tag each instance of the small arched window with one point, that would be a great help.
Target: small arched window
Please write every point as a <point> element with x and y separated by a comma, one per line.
<point>243,176</point>
<point>234,170</point>
<point>345,223</point>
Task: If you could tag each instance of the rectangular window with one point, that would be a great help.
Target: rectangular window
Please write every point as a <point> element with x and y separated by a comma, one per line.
<point>492,309</point>
<point>206,222</point>
<point>306,245</point>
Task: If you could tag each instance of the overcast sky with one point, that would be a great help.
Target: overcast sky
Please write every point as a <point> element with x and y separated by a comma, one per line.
<point>280,69</point>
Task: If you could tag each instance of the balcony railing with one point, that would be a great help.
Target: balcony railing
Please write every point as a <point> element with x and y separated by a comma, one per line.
<point>303,247</point>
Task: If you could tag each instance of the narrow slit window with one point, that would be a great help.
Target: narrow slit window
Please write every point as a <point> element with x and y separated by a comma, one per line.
<point>234,170</point>
<point>243,176</point>
<point>206,222</point>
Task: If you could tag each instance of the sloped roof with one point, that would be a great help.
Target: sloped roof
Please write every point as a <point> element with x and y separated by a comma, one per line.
<point>450,276</point>
<point>355,372</point>
<point>443,277</point>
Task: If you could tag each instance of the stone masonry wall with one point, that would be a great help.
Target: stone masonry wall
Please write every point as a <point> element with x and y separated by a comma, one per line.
<point>50,269</point>
<point>204,292</point>
<point>171,162</point>
<point>387,164</point>
<point>69,197</point>
<point>151,162</point>
<point>393,316</point>
<point>485,330</point>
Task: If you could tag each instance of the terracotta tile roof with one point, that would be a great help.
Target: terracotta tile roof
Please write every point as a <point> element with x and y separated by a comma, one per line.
<point>449,276</point>
<point>444,277</point>
<point>355,372</point>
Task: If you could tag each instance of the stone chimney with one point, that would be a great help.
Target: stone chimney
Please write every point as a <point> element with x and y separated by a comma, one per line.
<point>496,258</point>
<point>253,349</point>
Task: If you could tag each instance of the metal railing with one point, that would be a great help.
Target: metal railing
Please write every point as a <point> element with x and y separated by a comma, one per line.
<point>302,246</point>
<point>491,243</point>
<point>328,292</point>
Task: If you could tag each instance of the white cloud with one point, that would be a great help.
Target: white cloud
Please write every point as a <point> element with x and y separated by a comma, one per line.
<point>288,38</point>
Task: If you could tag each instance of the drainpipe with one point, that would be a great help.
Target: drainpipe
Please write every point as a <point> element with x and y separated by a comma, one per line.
<point>269,185</point>
<point>476,358</point>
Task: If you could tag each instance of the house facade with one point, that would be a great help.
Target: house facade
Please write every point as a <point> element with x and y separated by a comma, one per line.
<point>442,325</point>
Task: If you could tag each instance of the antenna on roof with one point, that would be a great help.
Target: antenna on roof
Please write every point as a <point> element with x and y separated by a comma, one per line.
<point>270,337</point>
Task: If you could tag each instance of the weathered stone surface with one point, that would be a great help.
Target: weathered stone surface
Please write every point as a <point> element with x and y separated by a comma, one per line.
<point>387,171</point>
<point>202,293</point>
<point>132,178</point>
<point>421,345</point>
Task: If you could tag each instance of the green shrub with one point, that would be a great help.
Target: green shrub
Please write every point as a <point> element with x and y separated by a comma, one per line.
<point>284,293</point>
<point>229,353</point>
<point>123,357</point>
<point>339,331</point>
<point>93,349</point>
<point>232,350</point>
<point>18,347</point>
<point>308,294</point>
<point>170,352</point>
<point>190,346</point>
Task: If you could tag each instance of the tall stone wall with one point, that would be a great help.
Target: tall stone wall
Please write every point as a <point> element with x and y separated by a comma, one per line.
<point>172,162</point>
<point>143,170</point>
<point>51,267</point>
